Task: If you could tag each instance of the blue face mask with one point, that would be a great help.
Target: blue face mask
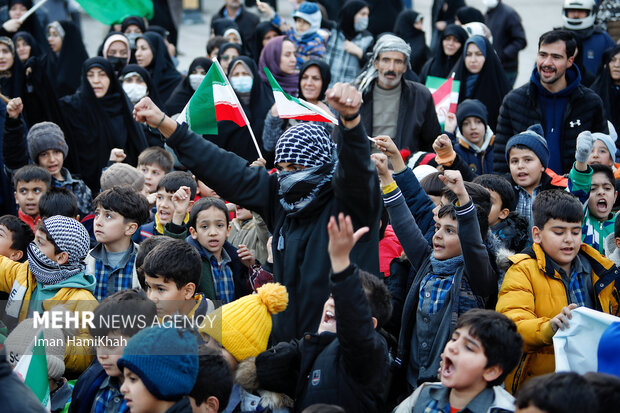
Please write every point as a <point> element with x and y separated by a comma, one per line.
<point>242,84</point>
<point>361,24</point>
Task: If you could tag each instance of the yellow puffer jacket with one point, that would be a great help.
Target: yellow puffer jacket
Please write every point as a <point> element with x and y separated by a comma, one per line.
<point>533,293</point>
<point>17,280</point>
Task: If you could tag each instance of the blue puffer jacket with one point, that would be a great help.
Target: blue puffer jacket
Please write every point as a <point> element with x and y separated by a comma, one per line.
<point>479,159</point>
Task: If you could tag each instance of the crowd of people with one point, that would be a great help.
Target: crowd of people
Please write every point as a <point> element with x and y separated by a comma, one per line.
<point>405,259</point>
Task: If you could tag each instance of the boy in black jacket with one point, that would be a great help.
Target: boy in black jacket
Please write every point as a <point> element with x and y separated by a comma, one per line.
<point>346,361</point>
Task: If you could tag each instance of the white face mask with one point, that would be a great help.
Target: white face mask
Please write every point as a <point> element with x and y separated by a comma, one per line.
<point>490,3</point>
<point>135,91</point>
<point>361,24</point>
<point>195,80</point>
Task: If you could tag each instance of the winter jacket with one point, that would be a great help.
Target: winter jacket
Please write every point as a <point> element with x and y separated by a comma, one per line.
<point>86,388</point>
<point>533,293</point>
<point>300,240</point>
<point>479,159</point>
<point>508,35</point>
<point>417,126</point>
<point>252,234</point>
<point>15,395</point>
<point>74,293</point>
<point>348,368</point>
<point>239,272</point>
<point>593,47</point>
<point>474,280</point>
<point>521,109</point>
<point>154,228</point>
<point>594,232</point>
<point>548,180</point>
<point>490,400</point>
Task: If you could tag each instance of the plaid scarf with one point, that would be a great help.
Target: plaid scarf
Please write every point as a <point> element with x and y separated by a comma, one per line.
<point>47,271</point>
<point>298,189</point>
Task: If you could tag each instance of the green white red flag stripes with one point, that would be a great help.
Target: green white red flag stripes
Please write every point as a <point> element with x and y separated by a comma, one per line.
<point>214,101</point>
<point>290,107</point>
<point>32,368</point>
<point>445,95</point>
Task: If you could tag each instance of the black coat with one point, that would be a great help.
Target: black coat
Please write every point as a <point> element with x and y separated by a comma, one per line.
<point>508,34</point>
<point>417,126</point>
<point>608,91</point>
<point>247,23</point>
<point>302,266</point>
<point>521,109</point>
<point>348,369</point>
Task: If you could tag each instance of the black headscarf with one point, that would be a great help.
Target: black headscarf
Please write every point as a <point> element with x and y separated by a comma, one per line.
<point>404,29</point>
<point>441,65</point>
<point>346,17</point>
<point>64,69</point>
<point>165,76</point>
<point>229,45</point>
<point>326,76</point>
<point>238,140</point>
<point>491,84</point>
<point>183,92</point>
<point>31,25</point>
<point>133,20</point>
<point>261,30</point>
<point>12,80</point>
<point>608,91</point>
<point>100,124</point>
<point>35,50</point>
<point>219,26</point>
<point>146,76</point>
<point>469,15</point>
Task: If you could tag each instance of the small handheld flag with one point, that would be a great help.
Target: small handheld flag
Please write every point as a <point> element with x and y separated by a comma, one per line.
<point>445,95</point>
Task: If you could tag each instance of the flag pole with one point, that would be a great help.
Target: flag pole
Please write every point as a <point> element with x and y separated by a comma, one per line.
<point>245,118</point>
<point>30,11</point>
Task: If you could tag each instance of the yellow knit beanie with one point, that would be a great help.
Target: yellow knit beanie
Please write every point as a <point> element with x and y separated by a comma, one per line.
<point>243,326</point>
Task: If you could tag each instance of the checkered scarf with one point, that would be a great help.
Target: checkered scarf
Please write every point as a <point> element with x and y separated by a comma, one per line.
<point>71,237</point>
<point>305,144</point>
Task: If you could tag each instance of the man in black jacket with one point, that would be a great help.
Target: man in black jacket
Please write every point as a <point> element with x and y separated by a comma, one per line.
<point>297,202</point>
<point>393,106</point>
<point>247,21</point>
<point>508,36</point>
<point>554,98</point>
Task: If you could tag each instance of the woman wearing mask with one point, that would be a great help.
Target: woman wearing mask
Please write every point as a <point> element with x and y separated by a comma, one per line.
<point>482,76</point>
<point>408,27</point>
<point>99,118</point>
<point>25,46</point>
<point>11,70</point>
<point>152,54</point>
<point>349,42</point>
<point>314,78</point>
<point>186,88</point>
<point>133,27</point>
<point>64,62</point>
<point>452,40</point>
<point>278,56</point>
<point>116,49</point>
<point>607,85</point>
<point>137,83</point>
<point>228,52</point>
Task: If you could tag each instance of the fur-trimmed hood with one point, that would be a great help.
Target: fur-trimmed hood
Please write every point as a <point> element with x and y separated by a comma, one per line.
<point>247,378</point>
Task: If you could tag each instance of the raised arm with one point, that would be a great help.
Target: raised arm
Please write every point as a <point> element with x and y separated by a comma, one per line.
<point>14,146</point>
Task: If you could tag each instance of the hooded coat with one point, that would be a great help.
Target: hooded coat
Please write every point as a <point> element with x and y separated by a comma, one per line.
<point>490,85</point>
<point>99,124</point>
<point>440,65</point>
<point>63,70</point>
<point>165,76</point>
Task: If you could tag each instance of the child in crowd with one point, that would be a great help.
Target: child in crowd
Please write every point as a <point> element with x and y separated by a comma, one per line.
<point>58,201</point>
<point>595,186</point>
<point>46,147</point>
<point>54,272</point>
<point>174,199</point>
<point>119,212</point>
<point>15,235</point>
<point>249,229</point>
<point>98,388</point>
<point>559,392</point>
<point>557,274</point>
<point>432,185</point>
<point>160,366</point>
<point>30,183</point>
<point>306,34</point>
<point>484,348</point>
<point>147,246</point>
<point>224,275</point>
<point>509,227</point>
<point>346,353</point>
<point>122,174</point>
<point>240,330</point>
<point>171,275</point>
<point>154,163</point>
<point>527,156</point>
<point>604,152</point>
<point>213,384</point>
<point>453,276</point>
<point>18,344</point>
<point>474,138</point>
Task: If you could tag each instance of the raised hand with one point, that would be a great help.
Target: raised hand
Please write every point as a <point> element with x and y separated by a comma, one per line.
<point>14,108</point>
<point>345,99</point>
<point>342,238</point>
<point>454,182</point>
<point>180,201</point>
<point>246,256</point>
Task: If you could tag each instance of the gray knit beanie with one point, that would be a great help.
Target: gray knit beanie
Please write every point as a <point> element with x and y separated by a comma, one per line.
<point>122,174</point>
<point>18,343</point>
<point>44,136</point>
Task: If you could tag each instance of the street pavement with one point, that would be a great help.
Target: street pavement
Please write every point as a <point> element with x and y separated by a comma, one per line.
<point>538,16</point>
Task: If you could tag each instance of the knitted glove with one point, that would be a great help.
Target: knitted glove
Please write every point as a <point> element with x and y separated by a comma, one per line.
<point>445,155</point>
<point>585,141</point>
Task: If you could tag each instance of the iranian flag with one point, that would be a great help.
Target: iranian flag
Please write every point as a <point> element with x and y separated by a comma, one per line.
<point>445,95</point>
<point>290,107</point>
<point>32,368</point>
<point>214,100</point>
<point>115,11</point>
